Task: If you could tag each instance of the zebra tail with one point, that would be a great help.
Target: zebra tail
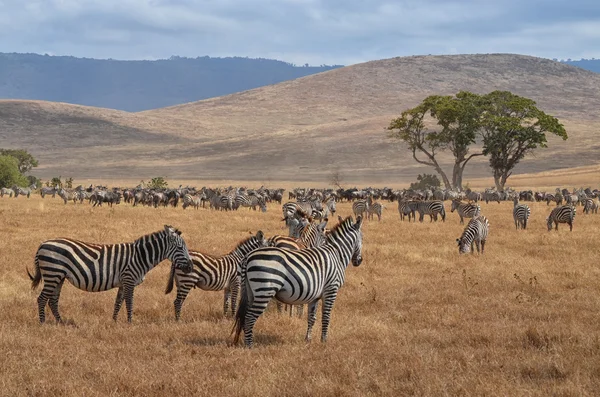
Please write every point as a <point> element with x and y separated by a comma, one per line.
<point>171,281</point>
<point>240,316</point>
<point>35,279</point>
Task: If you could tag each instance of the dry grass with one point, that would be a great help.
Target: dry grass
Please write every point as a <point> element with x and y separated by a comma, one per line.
<point>288,131</point>
<point>413,319</point>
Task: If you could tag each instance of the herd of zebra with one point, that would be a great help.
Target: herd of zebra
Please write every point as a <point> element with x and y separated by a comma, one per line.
<point>301,268</point>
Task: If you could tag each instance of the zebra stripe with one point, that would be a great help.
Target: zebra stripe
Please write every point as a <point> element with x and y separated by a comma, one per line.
<point>476,232</point>
<point>431,208</point>
<point>465,210</point>
<point>407,208</point>
<point>96,267</point>
<point>252,202</point>
<point>562,214</point>
<point>521,214</point>
<point>298,277</point>
<point>213,273</point>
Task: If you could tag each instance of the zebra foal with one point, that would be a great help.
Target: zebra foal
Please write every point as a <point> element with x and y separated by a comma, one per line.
<point>298,277</point>
<point>213,273</point>
<point>96,267</point>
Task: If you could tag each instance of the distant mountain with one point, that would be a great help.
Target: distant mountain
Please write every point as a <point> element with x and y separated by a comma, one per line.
<point>138,85</point>
<point>592,65</point>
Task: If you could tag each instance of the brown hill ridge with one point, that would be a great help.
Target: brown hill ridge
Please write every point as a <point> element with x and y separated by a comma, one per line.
<point>301,129</point>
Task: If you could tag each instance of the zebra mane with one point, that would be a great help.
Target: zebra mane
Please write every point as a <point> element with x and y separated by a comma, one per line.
<point>335,229</point>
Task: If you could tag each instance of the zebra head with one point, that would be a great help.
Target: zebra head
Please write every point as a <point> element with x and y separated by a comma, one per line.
<point>549,222</point>
<point>262,204</point>
<point>350,233</point>
<point>357,254</point>
<point>177,251</point>
<point>464,247</point>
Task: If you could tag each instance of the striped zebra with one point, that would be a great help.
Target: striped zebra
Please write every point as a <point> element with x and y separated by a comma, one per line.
<point>476,232</point>
<point>190,200</point>
<point>20,191</point>
<point>465,210</point>
<point>590,206</point>
<point>407,208</point>
<point>491,196</point>
<point>431,208</point>
<point>298,277</point>
<point>360,207</point>
<point>68,195</point>
<point>48,190</point>
<point>562,214</point>
<point>521,214</point>
<point>213,273</point>
<point>8,191</point>
<point>251,202</point>
<point>374,209</point>
<point>97,267</point>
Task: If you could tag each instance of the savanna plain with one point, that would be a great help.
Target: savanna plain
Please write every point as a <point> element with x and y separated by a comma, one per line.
<point>414,319</point>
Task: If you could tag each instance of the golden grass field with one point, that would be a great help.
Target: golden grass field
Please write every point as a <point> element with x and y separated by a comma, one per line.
<point>414,319</point>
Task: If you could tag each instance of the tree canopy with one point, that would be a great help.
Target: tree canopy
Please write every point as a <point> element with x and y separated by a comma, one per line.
<point>507,126</point>
<point>25,160</point>
<point>9,172</point>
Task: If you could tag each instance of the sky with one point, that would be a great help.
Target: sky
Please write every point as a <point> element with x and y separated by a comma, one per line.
<point>316,32</point>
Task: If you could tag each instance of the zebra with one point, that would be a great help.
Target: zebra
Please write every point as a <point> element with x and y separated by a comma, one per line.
<point>374,209</point>
<point>521,214</point>
<point>68,195</point>
<point>562,214</point>
<point>476,231</point>
<point>491,196</point>
<point>251,202</point>
<point>97,267</point>
<point>465,210</point>
<point>298,277</point>
<point>359,207</point>
<point>590,205</point>
<point>8,191</point>
<point>407,208</point>
<point>19,191</point>
<point>48,190</point>
<point>431,208</point>
<point>190,200</point>
<point>214,273</point>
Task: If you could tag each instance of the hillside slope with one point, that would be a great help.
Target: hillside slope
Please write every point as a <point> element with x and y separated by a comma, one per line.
<point>137,85</point>
<point>305,129</point>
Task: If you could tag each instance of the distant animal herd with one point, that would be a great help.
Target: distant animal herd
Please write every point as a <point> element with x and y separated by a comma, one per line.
<point>304,267</point>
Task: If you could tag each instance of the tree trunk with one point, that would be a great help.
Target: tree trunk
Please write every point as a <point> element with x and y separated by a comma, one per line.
<point>500,178</point>
<point>443,175</point>
<point>457,172</point>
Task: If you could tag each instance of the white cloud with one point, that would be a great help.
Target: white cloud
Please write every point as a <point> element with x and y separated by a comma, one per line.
<point>298,31</point>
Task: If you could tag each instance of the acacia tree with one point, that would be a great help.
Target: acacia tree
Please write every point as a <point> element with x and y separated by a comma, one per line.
<point>512,127</point>
<point>457,120</point>
<point>25,160</point>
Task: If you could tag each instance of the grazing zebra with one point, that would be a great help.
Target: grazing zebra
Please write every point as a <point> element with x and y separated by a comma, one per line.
<point>214,273</point>
<point>97,267</point>
<point>521,214</point>
<point>374,209</point>
<point>407,208</point>
<point>562,214</point>
<point>476,232</point>
<point>19,191</point>
<point>298,277</point>
<point>252,202</point>
<point>590,206</point>
<point>465,210</point>
<point>68,195</point>
<point>431,208</point>
<point>8,191</point>
<point>359,207</point>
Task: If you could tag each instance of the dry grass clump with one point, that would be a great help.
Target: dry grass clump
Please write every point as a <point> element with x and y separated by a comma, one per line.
<point>414,319</point>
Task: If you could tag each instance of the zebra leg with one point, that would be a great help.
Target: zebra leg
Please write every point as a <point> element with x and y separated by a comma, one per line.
<point>482,246</point>
<point>235,290</point>
<point>226,297</point>
<point>54,302</point>
<point>118,303</point>
<point>312,317</point>
<point>328,301</point>
<point>128,292</point>
<point>570,226</point>
<point>477,245</point>
<point>42,300</point>
<point>279,307</point>
<point>299,310</point>
<point>182,292</point>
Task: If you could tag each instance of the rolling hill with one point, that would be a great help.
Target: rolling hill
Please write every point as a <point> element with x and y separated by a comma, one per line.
<point>304,129</point>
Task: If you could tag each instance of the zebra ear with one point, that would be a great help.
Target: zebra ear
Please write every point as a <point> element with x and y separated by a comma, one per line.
<point>340,220</point>
<point>260,235</point>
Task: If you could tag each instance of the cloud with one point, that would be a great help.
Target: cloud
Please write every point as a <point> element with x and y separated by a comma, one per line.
<point>299,31</point>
